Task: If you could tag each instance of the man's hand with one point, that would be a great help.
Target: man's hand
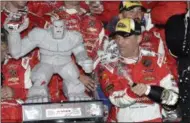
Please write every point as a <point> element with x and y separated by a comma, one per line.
<point>7,92</point>
<point>139,89</point>
<point>88,82</point>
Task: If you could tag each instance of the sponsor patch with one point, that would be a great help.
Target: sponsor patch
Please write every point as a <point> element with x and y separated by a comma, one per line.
<point>121,25</point>
<point>146,62</point>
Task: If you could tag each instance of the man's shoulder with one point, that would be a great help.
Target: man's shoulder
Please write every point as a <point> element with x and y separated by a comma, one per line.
<point>157,58</point>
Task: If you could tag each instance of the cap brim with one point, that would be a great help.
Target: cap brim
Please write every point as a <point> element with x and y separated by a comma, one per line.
<point>129,8</point>
<point>121,33</point>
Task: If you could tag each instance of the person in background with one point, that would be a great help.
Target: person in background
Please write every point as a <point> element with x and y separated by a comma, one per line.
<point>128,9</point>
<point>104,10</point>
<point>16,80</point>
<point>160,12</point>
<point>94,36</point>
<point>177,32</point>
<point>16,72</point>
<point>10,108</point>
<point>71,12</point>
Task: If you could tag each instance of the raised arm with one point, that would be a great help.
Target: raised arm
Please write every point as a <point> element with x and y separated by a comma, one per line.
<point>19,47</point>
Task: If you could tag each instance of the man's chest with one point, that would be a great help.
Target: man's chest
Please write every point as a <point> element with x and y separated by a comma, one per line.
<point>14,72</point>
<point>145,71</point>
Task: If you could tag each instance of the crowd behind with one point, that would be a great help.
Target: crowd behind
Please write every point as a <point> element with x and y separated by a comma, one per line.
<point>138,47</point>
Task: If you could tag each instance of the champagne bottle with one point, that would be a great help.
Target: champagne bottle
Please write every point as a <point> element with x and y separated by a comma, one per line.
<point>158,94</point>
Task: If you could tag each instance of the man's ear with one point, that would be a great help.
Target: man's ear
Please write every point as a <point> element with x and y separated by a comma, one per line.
<point>139,38</point>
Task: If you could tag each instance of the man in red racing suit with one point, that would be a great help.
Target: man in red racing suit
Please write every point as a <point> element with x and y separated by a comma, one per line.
<point>160,12</point>
<point>139,66</point>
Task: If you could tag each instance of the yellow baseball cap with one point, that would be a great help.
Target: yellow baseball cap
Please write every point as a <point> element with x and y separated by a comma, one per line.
<point>127,27</point>
<point>128,5</point>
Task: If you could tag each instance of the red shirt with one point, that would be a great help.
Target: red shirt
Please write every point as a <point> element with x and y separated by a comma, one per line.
<point>111,9</point>
<point>161,11</point>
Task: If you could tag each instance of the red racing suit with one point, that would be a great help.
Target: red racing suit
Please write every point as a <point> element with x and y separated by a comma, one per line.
<point>153,41</point>
<point>56,89</point>
<point>42,7</point>
<point>93,35</point>
<point>72,17</point>
<point>170,58</point>
<point>111,9</point>
<point>128,107</point>
<point>11,111</point>
<point>160,13</point>
<point>17,76</point>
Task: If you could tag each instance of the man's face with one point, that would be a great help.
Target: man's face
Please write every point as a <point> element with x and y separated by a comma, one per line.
<point>127,45</point>
<point>19,4</point>
<point>135,13</point>
<point>58,29</point>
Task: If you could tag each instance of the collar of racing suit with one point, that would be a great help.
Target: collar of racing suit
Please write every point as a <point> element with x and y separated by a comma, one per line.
<point>133,60</point>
